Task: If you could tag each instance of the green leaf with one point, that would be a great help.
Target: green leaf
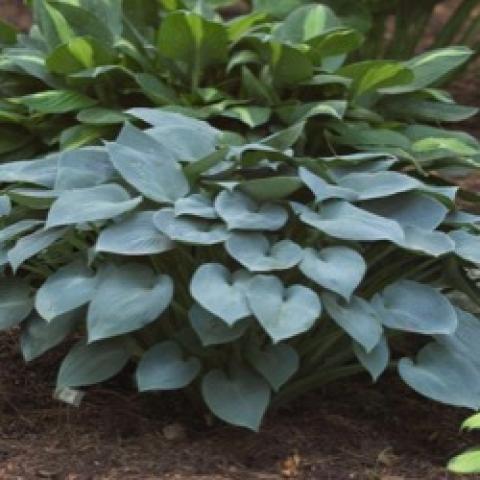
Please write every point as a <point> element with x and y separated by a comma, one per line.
<point>193,231</point>
<point>92,204</point>
<point>15,302</point>
<point>55,101</point>
<point>75,280</point>
<point>443,376</point>
<point>101,116</point>
<point>220,292</point>
<point>94,363</point>
<point>163,368</point>
<point>274,306</point>
<point>414,307</point>
<point>452,145</point>
<point>276,363</point>
<point>290,65</point>
<point>376,361</point>
<point>465,463</point>
<point>250,116</point>
<point>275,8</point>
<point>296,113</point>
<point>212,330</point>
<point>39,336</point>
<point>270,188</point>
<point>52,23</point>
<point>159,92</point>
<point>243,213</point>
<point>240,398</point>
<point>339,269</point>
<point>357,317</point>
<point>133,235</point>
<point>257,254</point>
<point>127,298</point>
<point>8,33</point>
<point>193,40</point>
<point>472,423</point>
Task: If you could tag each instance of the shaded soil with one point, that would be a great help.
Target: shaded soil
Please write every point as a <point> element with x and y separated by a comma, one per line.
<point>348,431</point>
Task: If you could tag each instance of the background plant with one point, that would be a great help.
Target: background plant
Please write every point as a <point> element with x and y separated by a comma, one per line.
<point>303,234</point>
<point>468,462</point>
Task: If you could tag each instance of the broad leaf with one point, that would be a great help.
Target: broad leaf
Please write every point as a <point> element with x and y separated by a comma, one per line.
<point>376,361</point>
<point>196,205</point>
<point>16,302</point>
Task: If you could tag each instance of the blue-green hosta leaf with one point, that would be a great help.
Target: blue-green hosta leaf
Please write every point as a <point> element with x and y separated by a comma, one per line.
<point>29,246</point>
<point>212,330</point>
<point>415,307</point>
<point>242,213</point>
<point>55,101</point>
<point>433,243</point>
<point>443,375</point>
<point>92,204</point>
<point>157,177</point>
<point>77,284</point>
<point>465,339</point>
<point>220,292</point>
<point>22,226</point>
<point>189,230</point>
<point>39,336</point>
<point>196,205</point>
<point>5,205</point>
<point>357,317</point>
<point>164,368</point>
<point>339,269</point>
<point>323,190</point>
<point>431,67</point>
<point>282,312</point>
<point>189,38</point>
<point>306,23</point>
<point>87,364</point>
<point>270,189</point>
<point>133,235</point>
<point>82,168</point>
<point>340,219</point>
<point>276,363</point>
<point>410,209</point>
<point>461,218</point>
<point>38,172</point>
<point>127,298</point>
<point>467,246</point>
<point>378,185</point>
<point>376,361</point>
<point>257,254</point>
<point>16,302</point>
<point>240,398</point>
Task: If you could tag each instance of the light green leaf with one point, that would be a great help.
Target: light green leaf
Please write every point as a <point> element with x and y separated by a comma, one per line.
<point>55,101</point>
<point>275,306</point>
<point>163,368</point>
<point>240,398</point>
<point>465,463</point>
<point>127,298</point>
<point>253,116</point>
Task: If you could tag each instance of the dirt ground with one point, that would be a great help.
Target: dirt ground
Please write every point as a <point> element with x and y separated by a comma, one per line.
<point>349,431</point>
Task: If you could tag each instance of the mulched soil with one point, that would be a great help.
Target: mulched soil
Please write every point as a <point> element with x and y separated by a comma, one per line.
<point>349,431</point>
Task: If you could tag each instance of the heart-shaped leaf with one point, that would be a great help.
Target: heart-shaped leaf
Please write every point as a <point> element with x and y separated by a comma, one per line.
<point>443,376</point>
<point>134,235</point>
<point>339,269</point>
<point>242,213</point>
<point>77,284</point>
<point>467,246</point>
<point>90,205</point>
<point>212,330</point>
<point>254,251</point>
<point>240,398</point>
<point>15,302</point>
<point>189,230</point>
<point>127,298</point>
<point>276,363</point>
<point>39,336</point>
<point>425,241</point>
<point>163,368</point>
<point>196,205</point>
<point>220,292</point>
<point>357,317</point>
<point>282,312</point>
<point>375,361</point>
<point>415,307</point>
<point>341,219</point>
<point>93,363</point>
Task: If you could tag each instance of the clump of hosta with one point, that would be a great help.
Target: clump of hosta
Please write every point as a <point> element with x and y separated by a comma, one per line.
<point>249,274</point>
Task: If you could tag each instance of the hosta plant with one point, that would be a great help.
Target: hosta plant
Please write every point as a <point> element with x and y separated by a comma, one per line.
<point>69,81</point>
<point>285,222</point>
